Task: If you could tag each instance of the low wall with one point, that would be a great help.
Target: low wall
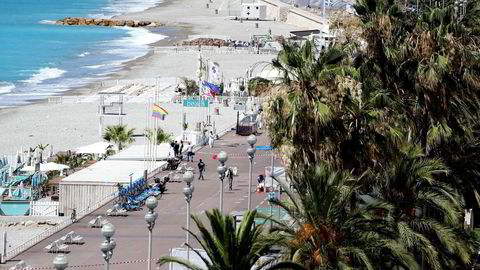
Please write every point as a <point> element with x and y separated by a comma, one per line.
<point>280,11</point>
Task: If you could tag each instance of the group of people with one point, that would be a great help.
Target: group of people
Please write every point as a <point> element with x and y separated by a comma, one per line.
<point>178,150</point>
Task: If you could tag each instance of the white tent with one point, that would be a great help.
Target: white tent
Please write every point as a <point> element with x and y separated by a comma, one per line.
<point>270,74</point>
<point>46,167</point>
<point>137,152</point>
<point>99,148</point>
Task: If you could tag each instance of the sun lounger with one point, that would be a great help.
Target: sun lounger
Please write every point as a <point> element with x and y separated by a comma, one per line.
<point>56,247</point>
<point>117,211</point>
<point>97,222</point>
<point>21,265</point>
<point>72,238</point>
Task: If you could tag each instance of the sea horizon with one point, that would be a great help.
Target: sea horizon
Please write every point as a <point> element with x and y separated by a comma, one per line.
<point>41,59</point>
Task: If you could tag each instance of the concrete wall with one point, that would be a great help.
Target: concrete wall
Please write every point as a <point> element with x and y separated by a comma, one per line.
<point>83,196</point>
<point>279,11</point>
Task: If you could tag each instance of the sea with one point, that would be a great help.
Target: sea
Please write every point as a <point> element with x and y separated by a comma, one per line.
<point>40,59</point>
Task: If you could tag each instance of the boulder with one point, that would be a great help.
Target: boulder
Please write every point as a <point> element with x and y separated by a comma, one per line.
<point>97,21</point>
<point>130,23</point>
<point>43,222</point>
<point>82,21</point>
<point>88,21</point>
<point>120,23</point>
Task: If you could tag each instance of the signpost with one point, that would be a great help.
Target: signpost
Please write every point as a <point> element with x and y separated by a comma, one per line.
<point>195,103</point>
<point>264,147</point>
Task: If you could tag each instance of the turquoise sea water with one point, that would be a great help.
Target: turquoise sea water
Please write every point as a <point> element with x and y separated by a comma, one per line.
<point>38,58</point>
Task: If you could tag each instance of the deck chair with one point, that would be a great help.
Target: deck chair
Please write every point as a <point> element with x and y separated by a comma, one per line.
<point>97,222</point>
<point>116,211</point>
<point>60,247</point>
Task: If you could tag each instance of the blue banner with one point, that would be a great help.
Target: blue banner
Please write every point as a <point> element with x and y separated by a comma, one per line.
<point>263,147</point>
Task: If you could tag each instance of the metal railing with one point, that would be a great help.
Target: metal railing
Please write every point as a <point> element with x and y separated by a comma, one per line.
<point>60,226</point>
<point>216,49</point>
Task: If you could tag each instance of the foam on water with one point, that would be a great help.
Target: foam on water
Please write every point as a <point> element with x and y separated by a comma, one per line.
<point>128,6</point>
<point>6,87</point>
<point>44,74</point>
<point>83,54</point>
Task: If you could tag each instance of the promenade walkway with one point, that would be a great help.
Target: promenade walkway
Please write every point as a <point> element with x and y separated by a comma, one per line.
<point>131,232</point>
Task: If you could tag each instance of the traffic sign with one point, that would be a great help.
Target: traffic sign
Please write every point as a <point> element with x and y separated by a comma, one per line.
<point>195,103</point>
<point>263,147</point>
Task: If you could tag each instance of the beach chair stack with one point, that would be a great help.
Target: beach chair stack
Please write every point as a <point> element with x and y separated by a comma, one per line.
<point>21,265</point>
<point>72,239</point>
<point>97,222</point>
<point>57,246</point>
<point>117,211</point>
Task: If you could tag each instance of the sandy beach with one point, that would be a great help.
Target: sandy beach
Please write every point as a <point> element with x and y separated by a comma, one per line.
<point>69,125</point>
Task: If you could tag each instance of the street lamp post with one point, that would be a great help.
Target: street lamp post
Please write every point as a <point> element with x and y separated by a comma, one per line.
<point>221,169</point>
<point>252,140</point>
<point>188,192</point>
<point>60,262</point>
<point>150,218</point>
<point>108,245</point>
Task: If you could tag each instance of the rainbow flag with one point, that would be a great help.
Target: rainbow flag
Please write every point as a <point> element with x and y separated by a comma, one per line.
<point>159,112</point>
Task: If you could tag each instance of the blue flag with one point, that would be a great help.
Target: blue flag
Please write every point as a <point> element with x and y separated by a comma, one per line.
<point>213,87</point>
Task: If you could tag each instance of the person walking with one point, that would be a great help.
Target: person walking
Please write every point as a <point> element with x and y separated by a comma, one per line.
<point>201,169</point>
<point>190,152</point>
<point>230,177</point>
<point>180,151</point>
<point>211,139</point>
<point>176,147</point>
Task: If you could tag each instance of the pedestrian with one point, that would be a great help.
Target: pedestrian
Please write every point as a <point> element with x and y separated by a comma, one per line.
<point>229,175</point>
<point>180,152</point>
<point>190,152</point>
<point>201,169</point>
<point>211,139</point>
<point>259,121</point>
<point>176,147</point>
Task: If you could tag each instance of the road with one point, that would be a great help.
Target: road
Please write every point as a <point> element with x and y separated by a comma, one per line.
<point>131,232</point>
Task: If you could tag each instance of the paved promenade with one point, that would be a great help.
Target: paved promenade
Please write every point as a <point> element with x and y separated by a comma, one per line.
<point>131,232</point>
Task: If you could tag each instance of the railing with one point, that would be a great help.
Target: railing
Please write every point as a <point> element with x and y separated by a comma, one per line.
<point>216,49</point>
<point>62,225</point>
<point>43,208</point>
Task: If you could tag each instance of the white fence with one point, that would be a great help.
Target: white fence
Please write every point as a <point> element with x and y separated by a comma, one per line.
<point>43,208</point>
<point>47,233</point>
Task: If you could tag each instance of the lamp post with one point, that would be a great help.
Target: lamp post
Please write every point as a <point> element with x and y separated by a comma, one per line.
<point>221,169</point>
<point>150,218</point>
<point>252,140</point>
<point>108,245</point>
<point>60,262</point>
<point>188,192</point>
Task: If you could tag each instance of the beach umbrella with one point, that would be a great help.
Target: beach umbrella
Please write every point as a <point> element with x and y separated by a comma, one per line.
<point>50,153</point>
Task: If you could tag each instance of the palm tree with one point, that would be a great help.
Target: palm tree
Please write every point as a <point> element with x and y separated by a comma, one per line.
<point>426,212</point>
<point>119,134</point>
<point>229,247</point>
<point>191,87</point>
<point>162,136</point>
<point>42,148</point>
<point>329,230</point>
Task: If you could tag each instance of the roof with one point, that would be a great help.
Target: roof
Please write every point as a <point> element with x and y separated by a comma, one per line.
<point>109,172</point>
<point>94,148</point>
<point>304,33</point>
<point>137,152</point>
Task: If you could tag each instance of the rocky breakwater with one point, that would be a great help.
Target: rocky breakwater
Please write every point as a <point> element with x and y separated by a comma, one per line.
<point>106,22</point>
<point>207,42</point>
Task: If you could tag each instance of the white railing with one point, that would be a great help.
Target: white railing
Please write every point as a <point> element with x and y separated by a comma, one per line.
<point>43,208</point>
<point>215,49</point>
<point>62,225</point>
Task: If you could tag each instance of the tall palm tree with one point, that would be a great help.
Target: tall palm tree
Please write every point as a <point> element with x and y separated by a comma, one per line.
<point>426,212</point>
<point>119,134</point>
<point>228,247</point>
<point>162,135</point>
<point>329,230</point>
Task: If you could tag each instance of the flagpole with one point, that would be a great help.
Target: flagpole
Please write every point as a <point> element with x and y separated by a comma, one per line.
<point>145,147</point>
<point>150,142</point>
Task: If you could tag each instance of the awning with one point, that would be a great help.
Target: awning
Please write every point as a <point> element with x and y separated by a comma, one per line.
<point>46,167</point>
